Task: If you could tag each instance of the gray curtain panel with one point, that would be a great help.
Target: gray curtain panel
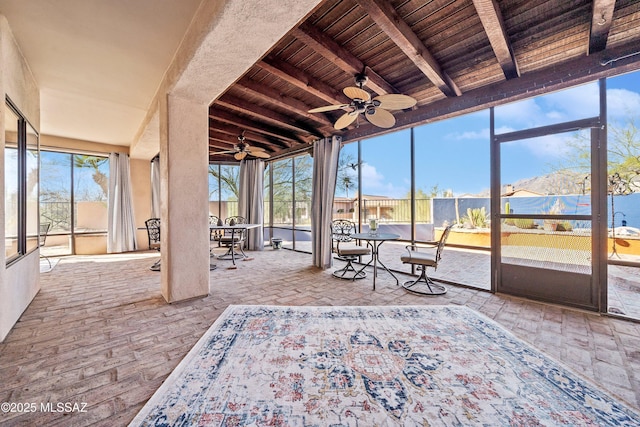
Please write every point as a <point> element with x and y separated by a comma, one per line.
<point>325,171</point>
<point>121,228</point>
<point>155,187</point>
<point>251,200</point>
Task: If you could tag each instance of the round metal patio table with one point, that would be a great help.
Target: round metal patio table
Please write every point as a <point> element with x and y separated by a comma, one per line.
<point>375,241</point>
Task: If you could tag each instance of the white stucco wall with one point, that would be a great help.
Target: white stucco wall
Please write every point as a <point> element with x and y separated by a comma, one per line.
<point>20,282</point>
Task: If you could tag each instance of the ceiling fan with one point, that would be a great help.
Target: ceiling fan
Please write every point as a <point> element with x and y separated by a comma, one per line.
<point>374,110</point>
<point>242,149</point>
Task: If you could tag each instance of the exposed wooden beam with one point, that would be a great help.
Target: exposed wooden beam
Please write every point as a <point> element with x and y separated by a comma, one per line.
<point>267,115</point>
<point>601,20</point>
<point>386,17</point>
<point>234,131</point>
<point>273,96</point>
<point>331,50</point>
<point>303,80</point>
<point>582,70</point>
<point>227,117</point>
<point>491,18</point>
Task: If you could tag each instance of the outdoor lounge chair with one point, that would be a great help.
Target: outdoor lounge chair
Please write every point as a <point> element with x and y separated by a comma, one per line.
<point>341,230</point>
<point>428,256</point>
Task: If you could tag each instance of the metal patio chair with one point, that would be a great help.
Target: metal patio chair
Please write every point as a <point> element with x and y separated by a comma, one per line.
<point>424,257</point>
<point>341,230</point>
<point>234,239</point>
<point>42,239</point>
<point>153,233</point>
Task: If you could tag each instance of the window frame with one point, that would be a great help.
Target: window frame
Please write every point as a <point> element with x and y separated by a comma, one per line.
<point>22,148</point>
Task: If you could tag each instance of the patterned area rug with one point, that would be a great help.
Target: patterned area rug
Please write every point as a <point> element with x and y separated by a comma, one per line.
<point>372,366</point>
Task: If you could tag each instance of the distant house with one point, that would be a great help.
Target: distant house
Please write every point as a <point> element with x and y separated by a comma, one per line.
<point>375,207</point>
<point>512,192</point>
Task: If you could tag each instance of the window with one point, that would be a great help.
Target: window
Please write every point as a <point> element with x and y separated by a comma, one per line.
<point>21,185</point>
<point>288,192</point>
<point>224,185</point>
<point>73,197</point>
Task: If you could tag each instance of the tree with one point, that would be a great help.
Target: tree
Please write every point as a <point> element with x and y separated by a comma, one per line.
<point>623,155</point>
<point>99,177</point>
<point>229,177</point>
<point>347,173</point>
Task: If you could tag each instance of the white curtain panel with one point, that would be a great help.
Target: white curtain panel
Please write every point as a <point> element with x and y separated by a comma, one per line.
<point>155,187</point>
<point>325,171</point>
<point>251,200</point>
<point>121,231</point>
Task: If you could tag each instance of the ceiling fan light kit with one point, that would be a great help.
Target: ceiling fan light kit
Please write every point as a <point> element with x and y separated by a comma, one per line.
<point>374,110</point>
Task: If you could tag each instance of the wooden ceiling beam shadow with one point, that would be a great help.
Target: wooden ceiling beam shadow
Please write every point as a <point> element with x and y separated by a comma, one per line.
<point>272,96</point>
<point>601,20</point>
<point>288,138</point>
<point>493,23</point>
<point>386,17</point>
<point>265,114</point>
<point>303,80</point>
<point>340,56</point>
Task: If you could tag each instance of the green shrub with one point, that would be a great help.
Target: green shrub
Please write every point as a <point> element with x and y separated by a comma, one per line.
<point>525,223</point>
<point>564,226</point>
<point>476,218</point>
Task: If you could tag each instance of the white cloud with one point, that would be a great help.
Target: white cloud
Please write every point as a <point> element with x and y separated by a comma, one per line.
<point>482,134</point>
<point>571,104</point>
<point>550,146</point>
<point>622,103</point>
<point>520,112</point>
<point>374,183</point>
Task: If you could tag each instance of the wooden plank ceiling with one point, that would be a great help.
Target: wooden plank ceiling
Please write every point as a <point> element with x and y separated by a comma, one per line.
<point>452,56</point>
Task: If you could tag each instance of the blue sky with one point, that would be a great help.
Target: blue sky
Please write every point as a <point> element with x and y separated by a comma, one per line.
<point>454,154</point>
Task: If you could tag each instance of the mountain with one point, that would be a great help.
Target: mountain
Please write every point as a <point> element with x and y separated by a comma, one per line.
<point>560,183</point>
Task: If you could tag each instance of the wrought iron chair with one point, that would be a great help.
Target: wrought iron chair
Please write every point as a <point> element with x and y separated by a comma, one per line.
<point>428,256</point>
<point>42,239</point>
<point>233,239</point>
<point>153,233</point>
<point>341,230</point>
<point>214,235</point>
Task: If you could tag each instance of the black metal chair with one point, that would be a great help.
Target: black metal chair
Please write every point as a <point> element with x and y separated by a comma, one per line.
<point>153,233</point>
<point>42,239</point>
<point>233,239</point>
<point>341,231</point>
<point>214,235</point>
<point>429,256</point>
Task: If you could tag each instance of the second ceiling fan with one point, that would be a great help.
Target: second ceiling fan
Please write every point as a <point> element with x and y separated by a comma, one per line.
<point>375,110</point>
<point>243,149</point>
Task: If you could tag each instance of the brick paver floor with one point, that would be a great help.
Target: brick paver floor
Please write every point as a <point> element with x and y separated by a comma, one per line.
<point>100,333</point>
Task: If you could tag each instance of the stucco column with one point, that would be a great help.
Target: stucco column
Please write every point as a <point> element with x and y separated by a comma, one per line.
<point>184,213</point>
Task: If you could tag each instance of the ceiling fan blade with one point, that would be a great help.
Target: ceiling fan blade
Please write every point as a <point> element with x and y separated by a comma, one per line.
<point>381,118</point>
<point>241,155</point>
<point>328,108</point>
<point>225,152</point>
<point>254,148</point>
<point>394,101</point>
<point>345,120</point>
<point>356,93</point>
<point>260,154</point>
